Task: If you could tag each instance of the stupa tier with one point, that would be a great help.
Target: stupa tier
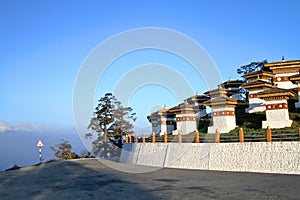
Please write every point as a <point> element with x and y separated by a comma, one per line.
<point>223,111</point>
<point>277,112</point>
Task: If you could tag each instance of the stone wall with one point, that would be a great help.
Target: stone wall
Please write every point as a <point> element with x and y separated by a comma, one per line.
<point>273,157</point>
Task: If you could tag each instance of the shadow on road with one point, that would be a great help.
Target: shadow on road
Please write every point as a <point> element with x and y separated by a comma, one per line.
<point>82,179</point>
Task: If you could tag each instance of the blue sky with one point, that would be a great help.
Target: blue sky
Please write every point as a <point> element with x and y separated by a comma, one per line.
<point>44,43</point>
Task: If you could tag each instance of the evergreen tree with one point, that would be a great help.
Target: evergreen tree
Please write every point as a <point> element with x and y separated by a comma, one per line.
<point>111,122</point>
<point>251,67</point>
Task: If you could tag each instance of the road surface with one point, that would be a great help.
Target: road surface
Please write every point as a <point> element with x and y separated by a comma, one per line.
<point>91,179</point>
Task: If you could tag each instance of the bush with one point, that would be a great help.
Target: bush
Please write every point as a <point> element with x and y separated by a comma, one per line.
<point>63,151</point>
<point>13,167</point>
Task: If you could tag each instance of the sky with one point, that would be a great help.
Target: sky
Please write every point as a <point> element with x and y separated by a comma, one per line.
<point>44,44</point>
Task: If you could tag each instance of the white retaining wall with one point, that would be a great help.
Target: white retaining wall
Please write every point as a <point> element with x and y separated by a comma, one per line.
<point>273,157</point>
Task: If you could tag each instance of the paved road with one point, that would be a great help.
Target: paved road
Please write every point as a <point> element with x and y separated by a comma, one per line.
<point>89,179</point>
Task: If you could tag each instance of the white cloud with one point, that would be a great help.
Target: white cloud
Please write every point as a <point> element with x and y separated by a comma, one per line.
<point>2,128</point>
<point>18,127</point>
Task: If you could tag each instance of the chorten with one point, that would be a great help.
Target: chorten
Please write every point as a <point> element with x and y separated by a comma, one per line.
<point>188,114</point>
<point>277,112</point>
<point>296,80</point>
<point>223,110</point>
<point>282,71</point>
<point>197,102</point>
<point>162,121</point>
<point>234,87</point>
<point>257,81</point>
<point>185,118</point>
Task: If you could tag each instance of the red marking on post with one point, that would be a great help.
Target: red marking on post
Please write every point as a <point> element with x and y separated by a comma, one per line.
<point>40,143</point>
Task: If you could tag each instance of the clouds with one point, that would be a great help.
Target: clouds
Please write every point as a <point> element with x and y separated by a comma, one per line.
<point>19,127</point>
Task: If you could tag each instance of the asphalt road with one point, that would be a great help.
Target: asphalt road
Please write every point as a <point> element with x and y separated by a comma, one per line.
<point>90,179</point>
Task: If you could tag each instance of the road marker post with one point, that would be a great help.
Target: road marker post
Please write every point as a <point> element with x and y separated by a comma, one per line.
<point>40,145</point>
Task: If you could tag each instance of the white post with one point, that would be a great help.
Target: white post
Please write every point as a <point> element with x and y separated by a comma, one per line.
<point>40,150</point>
<point>40,145</point>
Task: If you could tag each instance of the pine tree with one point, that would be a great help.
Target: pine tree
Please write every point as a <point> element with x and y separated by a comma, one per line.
<point>251,67</point>
<point>111,122</point>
